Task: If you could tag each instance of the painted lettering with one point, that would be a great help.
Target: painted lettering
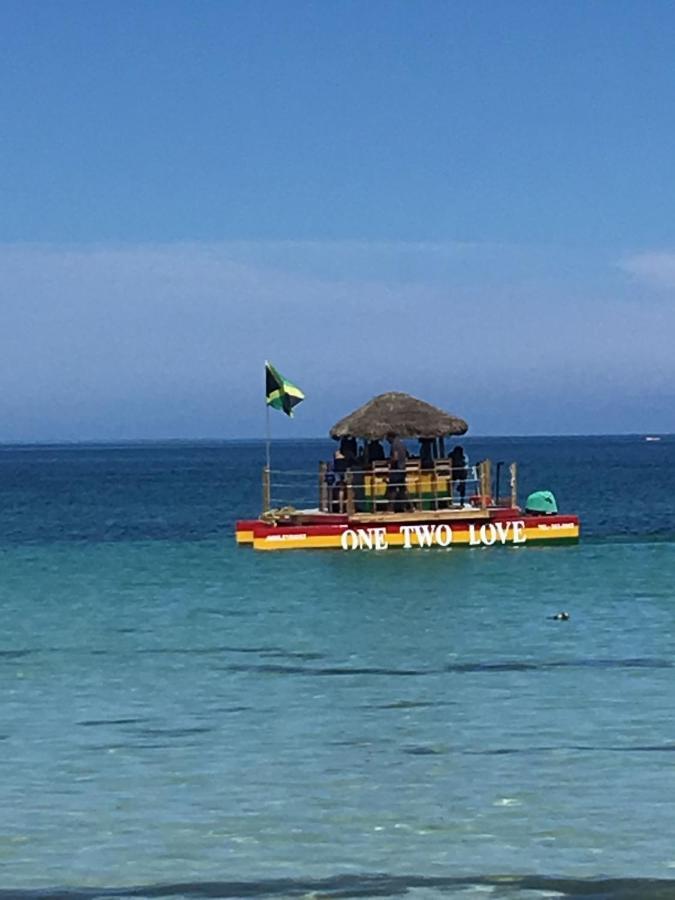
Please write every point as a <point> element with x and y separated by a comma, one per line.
<point>474,539</point>
<point>519,536</point>
<point>485,530</point>
<point>502,531</point>
<point>380,535</point>
<point>406,531</point>
<point>349,540</point>
<point>424,535</point>
<point>443,535</point>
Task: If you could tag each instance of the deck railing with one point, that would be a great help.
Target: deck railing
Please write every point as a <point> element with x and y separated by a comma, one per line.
<point>380,488</point>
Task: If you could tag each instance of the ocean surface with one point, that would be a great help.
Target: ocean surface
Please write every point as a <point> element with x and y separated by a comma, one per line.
<point>182,718</point>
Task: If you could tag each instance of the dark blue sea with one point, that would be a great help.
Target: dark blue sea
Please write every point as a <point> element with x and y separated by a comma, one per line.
<point>182,718</point>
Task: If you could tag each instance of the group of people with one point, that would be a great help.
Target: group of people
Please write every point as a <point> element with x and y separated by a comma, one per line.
<point>351,456</point>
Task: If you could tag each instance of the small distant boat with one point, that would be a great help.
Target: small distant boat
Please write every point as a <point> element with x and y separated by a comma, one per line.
<point>652,438</point>
<point>367,503</point>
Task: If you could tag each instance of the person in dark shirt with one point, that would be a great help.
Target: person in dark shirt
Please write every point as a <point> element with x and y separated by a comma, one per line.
<point>349,450</point>
<point>460,470</point>
<point>397,452</point>
<point>427,453</point>
<point>397,456</point>
<point>374,452</point>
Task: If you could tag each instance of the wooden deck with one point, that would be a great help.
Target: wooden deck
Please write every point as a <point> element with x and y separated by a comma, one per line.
<point>419,515</point>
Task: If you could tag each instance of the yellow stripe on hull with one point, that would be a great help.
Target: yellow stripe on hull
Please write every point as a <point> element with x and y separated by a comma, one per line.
<point>298,542</point>
<point>244,537</point>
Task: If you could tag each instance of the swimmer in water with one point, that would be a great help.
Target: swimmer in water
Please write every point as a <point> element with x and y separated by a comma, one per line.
<point>561,616</point>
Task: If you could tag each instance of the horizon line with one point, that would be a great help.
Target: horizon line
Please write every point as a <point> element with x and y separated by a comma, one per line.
<point>112,442</point>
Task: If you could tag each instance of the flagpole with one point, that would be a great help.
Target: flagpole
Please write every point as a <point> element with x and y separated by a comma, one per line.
<point>283,395</point>
<point>268,436</point>
<point>268,440</point>
<point>268,431</point>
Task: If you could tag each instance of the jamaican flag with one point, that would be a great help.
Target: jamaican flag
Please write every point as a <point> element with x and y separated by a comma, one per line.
<point>280,393</point>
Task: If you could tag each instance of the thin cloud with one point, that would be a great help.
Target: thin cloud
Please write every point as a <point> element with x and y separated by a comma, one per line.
<point>167,340</point>
<point>656,269</point>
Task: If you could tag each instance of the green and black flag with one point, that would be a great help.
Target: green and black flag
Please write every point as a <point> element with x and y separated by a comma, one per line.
<point>280,393</point>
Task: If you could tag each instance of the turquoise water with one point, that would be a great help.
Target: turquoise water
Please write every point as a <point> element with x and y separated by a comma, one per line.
<point>185,718</point>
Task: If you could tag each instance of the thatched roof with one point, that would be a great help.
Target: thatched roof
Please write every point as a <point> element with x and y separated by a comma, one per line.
<point>406,416</point>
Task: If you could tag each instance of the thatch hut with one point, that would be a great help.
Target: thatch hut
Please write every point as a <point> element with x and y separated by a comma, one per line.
<point>401,414</point>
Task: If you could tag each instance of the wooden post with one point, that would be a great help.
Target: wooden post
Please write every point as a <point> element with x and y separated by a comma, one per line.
<point>380,473</point>
<point>485,483</point>
<point>266,489</point>
<point>350,493</point>
<point>323,488</point>
<point>513,468</point>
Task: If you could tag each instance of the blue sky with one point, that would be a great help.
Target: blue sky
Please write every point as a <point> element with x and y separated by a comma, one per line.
<point>470,201</point>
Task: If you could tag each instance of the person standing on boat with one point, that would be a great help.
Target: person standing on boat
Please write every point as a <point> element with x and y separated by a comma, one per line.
<point>374,452</point>
<point>397,457</point>
<point>460,470</point>
<point>343,460</point>
<point>427,452</point>
<point>348,449</point>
